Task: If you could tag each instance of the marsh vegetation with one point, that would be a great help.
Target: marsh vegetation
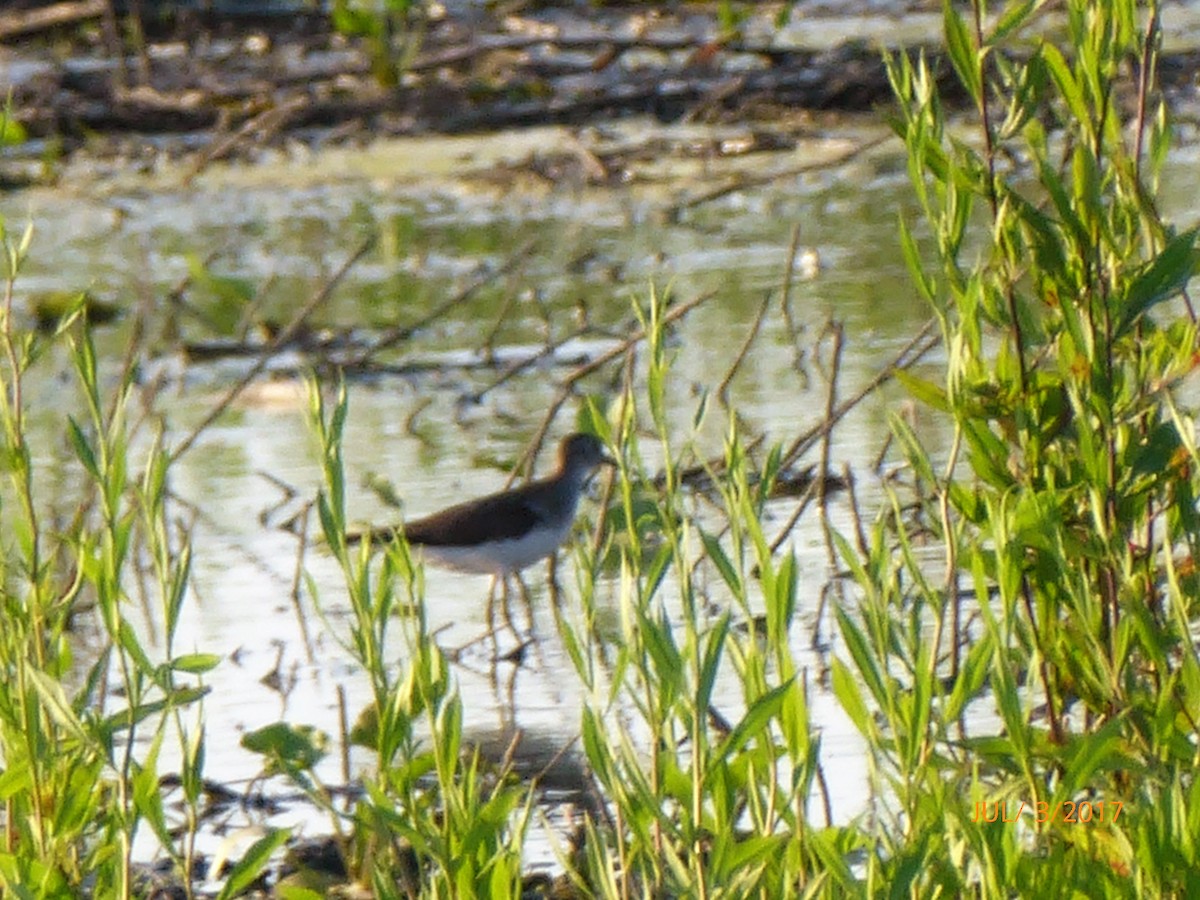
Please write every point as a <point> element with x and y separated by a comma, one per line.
<point>1005,613</point>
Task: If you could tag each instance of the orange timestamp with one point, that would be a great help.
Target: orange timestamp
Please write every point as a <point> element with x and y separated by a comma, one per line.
<point>1067,812</point>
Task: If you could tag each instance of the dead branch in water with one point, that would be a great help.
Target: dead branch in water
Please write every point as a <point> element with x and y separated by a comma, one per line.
<point>33,21</point>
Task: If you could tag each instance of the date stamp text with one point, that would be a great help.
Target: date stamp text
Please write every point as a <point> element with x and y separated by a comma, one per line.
<point>1066,812</point>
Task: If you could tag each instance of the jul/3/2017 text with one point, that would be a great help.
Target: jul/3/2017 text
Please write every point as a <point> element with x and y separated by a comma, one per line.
<point>1069,812</point>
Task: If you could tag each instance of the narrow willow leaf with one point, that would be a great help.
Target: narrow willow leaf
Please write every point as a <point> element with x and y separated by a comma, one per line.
<point>711,664</point>
<point>750,852</point>
<point>712,546</point>
<point>1162,279</point>
<point>128,639</point>
<point>1013,17</point>
<point>1053,183</point>
<point>660,644</point>
<point>913,451</point>
<point>915,264</point>
<point>1089,753</point>
<point>1064,78</point>
<point>147,798</point>
<point>845,688</point>
<point>926,392</point>
<point>869,668</point>
<point>55,701</point>
<point>781,604</point>
<point>757,718</point>
<point>252,863</point>
<point>596,747</point>
<point>971,676</point>
<point>196,663</point>
<point>961,50</point>
<point>329,522</point>
<point>15,780</point>
<point>83,449</point>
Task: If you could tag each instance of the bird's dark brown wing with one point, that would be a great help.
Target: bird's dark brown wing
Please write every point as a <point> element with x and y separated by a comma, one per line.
<point>496,517</point>
<point>493,518</point>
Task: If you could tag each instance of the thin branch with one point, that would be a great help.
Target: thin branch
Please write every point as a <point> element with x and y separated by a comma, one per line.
<point>924,341</point>
<point>403,332</point>
<point>588,368</point>
<point>280,340</point>
<point>723,387</point>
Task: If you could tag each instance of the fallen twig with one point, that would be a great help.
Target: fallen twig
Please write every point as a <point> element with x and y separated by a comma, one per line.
<point>32,21</point>
<point>265,124</point>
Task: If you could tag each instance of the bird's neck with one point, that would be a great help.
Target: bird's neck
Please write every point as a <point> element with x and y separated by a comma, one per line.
<point>574,477</point>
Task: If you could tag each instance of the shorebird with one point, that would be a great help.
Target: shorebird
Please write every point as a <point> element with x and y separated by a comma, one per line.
<point>502,533</point>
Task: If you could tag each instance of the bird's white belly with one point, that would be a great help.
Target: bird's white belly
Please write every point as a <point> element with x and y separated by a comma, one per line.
<point>497,558</point>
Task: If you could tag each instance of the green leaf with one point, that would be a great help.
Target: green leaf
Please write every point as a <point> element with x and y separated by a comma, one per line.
<point>1162,279</point>
<point>12,132</point>
<point>663,651</point>
<point>970,678</point>
<point>1103,749</point>
<point>596,747</point>
<point>845,688</point>
<point>756,719</point>
<point>15,780</point>
<point>907,438</point>
<point>196,663</point>
<point>54,699</point>
<point>860,650</point>
<point>754,851</point>
<point>83,449</point>
<point>1060,71</point>
<point>720,558</point>
<point>961,51</point>
<point>356,22</point>
<point>916,266</point>
<point>288,747</point>
<point>127,639</point>
<point>331,525</point>
<point>251,865</point>
<point>285,891</point>
<point>924,391</point>
<point>1011,19</point>
<point>711,664</point>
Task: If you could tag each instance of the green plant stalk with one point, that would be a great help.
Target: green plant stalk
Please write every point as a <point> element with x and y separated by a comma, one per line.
<point>463,832</point>
<point>27,613</point>
<point>75,791</point>
<point>697,798</point>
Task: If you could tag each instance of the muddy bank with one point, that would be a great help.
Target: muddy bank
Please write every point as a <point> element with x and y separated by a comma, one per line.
<point>220,86</point>
<point>215,86</point>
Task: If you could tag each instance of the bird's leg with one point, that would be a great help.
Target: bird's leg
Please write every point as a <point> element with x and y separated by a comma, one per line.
<point>552,577</point>
<point>505,695</point>
<point>506,608</point>
<point>527,602</point>
<point>491,612</point>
